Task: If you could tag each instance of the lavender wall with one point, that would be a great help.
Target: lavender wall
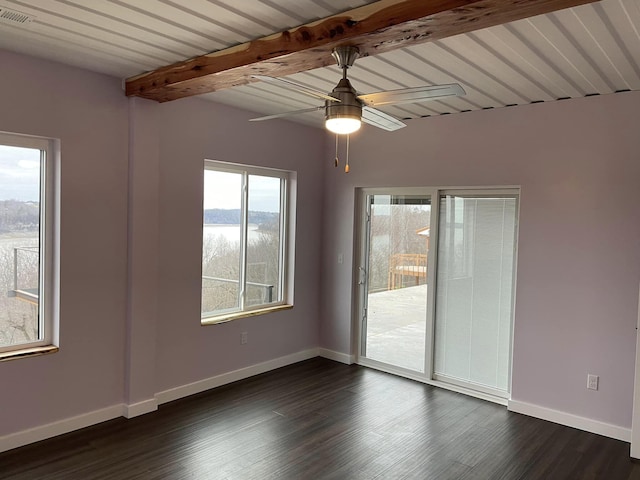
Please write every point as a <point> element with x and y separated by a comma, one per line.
<point>579,256</point>
<point>88,113</point>
<point>131,242</point>
<point>192,130</point>
<point>143,252</point>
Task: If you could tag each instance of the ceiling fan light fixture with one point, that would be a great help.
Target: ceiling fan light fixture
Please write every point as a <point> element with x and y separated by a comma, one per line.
<point>343,125</point>
<point>345,116</point>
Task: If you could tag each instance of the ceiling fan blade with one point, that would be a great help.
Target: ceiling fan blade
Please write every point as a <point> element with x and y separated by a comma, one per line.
<point>380,119</point>
<point>295,86</point>
<point>412,95</point>
<point>286,114</point>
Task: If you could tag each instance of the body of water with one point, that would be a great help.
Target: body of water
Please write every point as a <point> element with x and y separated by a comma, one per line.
<point>230,233</point>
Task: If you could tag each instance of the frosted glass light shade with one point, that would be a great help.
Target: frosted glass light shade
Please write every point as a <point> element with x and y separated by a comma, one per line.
<point>343,125</point>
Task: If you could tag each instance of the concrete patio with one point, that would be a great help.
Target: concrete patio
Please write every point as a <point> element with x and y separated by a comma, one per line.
<point>396,327</point>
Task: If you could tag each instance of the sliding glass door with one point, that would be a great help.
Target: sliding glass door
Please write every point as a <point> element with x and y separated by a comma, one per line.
<point>394,279</point>
<point>474,299</point>
<point>436,285</point>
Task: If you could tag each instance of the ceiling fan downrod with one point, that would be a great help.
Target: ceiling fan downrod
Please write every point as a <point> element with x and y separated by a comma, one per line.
<point>349,107</point>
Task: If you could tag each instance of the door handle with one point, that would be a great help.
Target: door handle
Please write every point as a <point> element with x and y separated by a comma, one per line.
<point>362,275</point>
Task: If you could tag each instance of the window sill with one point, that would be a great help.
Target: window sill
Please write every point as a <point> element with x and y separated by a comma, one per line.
<point>27,352</point>
<point>237,315</point>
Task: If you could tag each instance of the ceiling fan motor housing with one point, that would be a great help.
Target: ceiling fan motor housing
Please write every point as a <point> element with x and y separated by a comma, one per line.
<point>348,107</point>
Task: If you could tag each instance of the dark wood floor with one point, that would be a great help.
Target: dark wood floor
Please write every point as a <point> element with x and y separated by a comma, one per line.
<point>323,420</point>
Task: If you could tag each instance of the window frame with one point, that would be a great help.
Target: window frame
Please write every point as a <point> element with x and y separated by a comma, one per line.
<point>286,235</point>
<point>48,262</point>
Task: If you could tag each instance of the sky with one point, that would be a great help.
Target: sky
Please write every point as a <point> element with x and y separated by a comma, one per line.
<point>223,190</point>
<point>19,173</point>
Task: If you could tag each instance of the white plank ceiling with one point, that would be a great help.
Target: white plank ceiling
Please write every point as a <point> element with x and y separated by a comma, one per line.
<point>588,50</point>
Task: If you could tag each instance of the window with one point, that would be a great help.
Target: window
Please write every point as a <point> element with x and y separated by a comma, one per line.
<point>28,198</point>
<point>245,238</point>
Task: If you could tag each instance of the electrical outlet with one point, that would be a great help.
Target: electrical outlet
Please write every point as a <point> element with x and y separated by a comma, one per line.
<point>244,338</point>
<point>592,382</point>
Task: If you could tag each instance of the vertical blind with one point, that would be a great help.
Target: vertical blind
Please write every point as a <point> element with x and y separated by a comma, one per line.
<point>474,298</point>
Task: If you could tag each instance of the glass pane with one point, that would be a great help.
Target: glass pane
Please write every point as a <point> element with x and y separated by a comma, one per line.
<point>264,243</point>
<point>474,300</point>
<point>221,253</point>
<point>19,245</point>
<point>397,281</point>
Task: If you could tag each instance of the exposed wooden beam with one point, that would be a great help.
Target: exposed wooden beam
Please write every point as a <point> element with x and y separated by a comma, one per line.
<point>374,28</point>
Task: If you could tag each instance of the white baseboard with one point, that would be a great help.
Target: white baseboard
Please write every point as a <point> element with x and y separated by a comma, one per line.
<point>139,408</point>
<point>337,356</point>
<point>223,379</point>
<point>19,439</point>
<point>570,420</point>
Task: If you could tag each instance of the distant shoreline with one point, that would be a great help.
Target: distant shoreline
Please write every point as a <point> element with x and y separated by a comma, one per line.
<point>227,225</point>
<point>23,234</point>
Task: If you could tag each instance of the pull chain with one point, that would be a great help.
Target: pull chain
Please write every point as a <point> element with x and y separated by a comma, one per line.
<point>346,166</point>
<point>336,160</point>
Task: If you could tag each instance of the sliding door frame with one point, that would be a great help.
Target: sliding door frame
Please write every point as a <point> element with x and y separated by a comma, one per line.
<point>361,269</point>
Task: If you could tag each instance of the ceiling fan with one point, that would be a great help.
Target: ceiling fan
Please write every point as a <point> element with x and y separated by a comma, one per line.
<point>345,109</point>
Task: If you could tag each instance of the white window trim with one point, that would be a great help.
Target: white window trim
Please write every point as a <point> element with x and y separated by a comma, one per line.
<point>287,236</point>
<point>49,292</point>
